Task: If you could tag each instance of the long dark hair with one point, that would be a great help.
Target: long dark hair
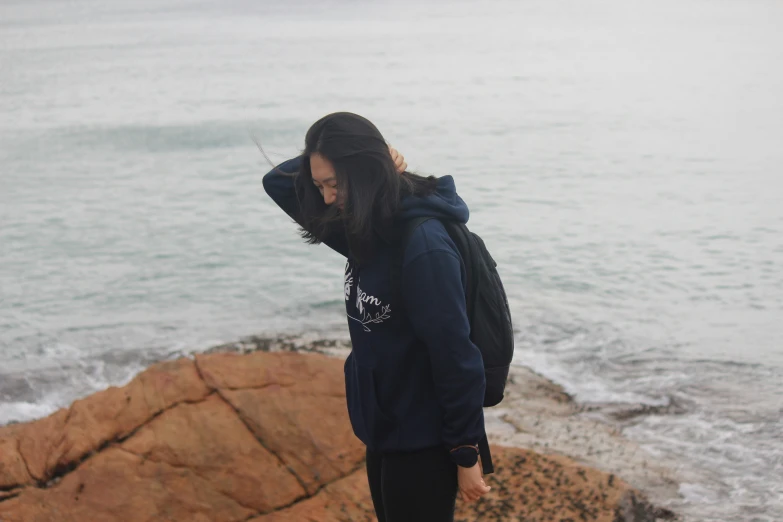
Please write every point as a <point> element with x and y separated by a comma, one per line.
<point>368,185</point>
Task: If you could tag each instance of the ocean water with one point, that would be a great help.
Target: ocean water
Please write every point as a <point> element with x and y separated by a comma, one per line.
<point>622,160</point>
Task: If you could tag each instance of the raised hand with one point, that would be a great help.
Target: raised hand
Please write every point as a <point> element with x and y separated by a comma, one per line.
<point>399,160</point>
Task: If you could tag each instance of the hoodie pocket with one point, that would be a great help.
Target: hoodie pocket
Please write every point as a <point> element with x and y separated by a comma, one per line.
<point>370,423</point>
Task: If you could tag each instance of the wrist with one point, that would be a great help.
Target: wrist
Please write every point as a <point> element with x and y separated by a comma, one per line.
<point>465,456</point>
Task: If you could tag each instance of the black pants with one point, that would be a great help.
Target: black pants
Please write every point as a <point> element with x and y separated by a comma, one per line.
<point>418,486</point>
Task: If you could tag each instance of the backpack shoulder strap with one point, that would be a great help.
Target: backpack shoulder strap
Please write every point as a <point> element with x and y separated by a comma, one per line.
<point>406,231</point>
<point>409,227</point>
<point>459,233</point>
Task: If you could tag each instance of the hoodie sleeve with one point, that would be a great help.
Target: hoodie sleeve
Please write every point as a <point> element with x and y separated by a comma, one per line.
<point>434,298</point>
<point>279,185</point>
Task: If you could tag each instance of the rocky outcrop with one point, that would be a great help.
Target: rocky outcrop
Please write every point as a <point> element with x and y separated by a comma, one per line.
<point>260,437</point>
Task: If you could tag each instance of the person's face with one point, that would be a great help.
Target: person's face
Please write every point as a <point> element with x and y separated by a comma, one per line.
<point>324,178</point>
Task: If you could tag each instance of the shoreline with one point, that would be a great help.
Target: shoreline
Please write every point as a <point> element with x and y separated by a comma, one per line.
<point>537,418</point>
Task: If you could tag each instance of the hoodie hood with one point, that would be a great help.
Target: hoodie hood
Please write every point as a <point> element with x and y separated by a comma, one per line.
<point>444,203</point>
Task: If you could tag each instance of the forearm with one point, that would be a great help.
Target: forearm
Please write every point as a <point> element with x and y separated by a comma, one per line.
<point>279,184</point>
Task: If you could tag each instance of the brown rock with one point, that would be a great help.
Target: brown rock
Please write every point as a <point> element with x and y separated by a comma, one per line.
<point>346,500</point>
<point>311,434</point>
<point>118,486</point>
<point>61,440</point>
<point>294,404</point>
<point>314,373</point>
<point>536,488</point>
<point>13,469</point>
<point>11,493</point>
<point>36,442</point>
<point>209,439</point>
<point>271,443</point>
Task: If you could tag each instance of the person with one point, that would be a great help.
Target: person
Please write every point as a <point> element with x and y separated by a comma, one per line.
<point>414,380</point>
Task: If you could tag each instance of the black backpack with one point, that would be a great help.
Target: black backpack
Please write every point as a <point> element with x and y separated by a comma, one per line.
<point>487,306</point>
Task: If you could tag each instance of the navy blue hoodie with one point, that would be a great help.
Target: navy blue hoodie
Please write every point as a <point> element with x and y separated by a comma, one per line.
<point>414,379</point>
